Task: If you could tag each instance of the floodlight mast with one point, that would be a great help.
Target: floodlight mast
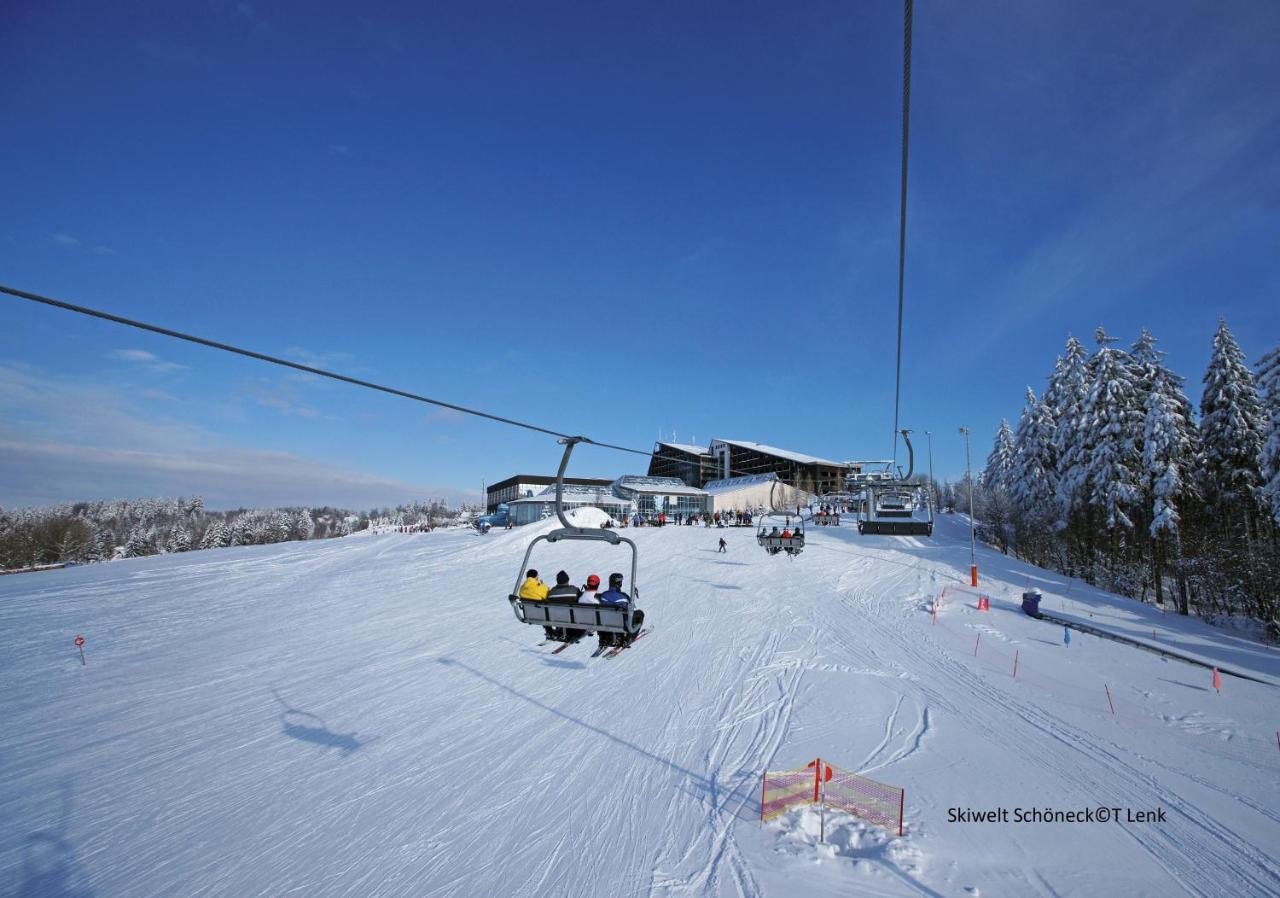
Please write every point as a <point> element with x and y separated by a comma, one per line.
<point>973,540</point>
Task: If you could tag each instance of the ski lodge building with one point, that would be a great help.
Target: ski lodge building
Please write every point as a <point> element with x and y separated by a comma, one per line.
<point>629,495</point>
<point>728,459</point>
<point>525,486</point>
<point>727,475</point>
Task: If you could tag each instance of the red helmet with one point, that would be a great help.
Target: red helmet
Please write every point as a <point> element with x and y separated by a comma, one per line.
<point>593,581</point>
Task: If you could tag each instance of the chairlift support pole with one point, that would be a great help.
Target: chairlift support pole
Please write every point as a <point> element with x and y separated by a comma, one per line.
<point>932,483</point>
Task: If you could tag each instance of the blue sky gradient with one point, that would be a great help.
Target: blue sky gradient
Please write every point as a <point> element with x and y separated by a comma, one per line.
<point>615,221</point>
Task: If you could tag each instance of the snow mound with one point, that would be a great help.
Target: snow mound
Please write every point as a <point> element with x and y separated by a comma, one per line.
<point>869,848</point>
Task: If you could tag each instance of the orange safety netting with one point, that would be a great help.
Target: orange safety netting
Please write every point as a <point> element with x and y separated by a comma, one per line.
<point>784,789</point>
<point>818,782</point>
<point>871,801</point>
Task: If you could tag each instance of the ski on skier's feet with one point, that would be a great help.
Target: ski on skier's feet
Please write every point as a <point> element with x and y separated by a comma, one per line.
<point>613,653</point>
<point>561,648</point>
<point>600,651</point>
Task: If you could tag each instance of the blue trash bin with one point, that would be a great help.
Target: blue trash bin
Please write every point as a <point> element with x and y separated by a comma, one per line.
<point>1031,603</point>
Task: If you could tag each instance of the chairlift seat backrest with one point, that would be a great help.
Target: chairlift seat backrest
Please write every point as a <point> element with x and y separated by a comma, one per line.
<point>569,613</point>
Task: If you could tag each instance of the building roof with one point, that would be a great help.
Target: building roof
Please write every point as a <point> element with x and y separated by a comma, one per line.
<point>685,447</point>
<point>580,494</point>
<point>737,483</point>
<point>544,479</point>
<point>798,457</point>
<point>671,486</point>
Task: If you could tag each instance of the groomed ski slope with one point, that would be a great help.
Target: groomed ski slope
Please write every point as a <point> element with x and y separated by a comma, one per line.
<point>365,716</point>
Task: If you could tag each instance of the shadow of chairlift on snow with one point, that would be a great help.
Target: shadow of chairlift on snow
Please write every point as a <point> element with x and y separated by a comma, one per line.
<point>307,727</point>
<point>49,866</point>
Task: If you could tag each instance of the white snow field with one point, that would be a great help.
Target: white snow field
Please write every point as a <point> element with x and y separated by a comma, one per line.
<point>365,716</point>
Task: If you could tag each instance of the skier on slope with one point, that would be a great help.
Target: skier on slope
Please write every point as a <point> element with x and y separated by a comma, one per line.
<point>724,546</point>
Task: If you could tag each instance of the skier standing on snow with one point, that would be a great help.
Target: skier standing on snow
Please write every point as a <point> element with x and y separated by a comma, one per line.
<point>724,547</point>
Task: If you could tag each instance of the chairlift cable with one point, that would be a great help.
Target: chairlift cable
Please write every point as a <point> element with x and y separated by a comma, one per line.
<point>902,213</point>
<point>319,372</point>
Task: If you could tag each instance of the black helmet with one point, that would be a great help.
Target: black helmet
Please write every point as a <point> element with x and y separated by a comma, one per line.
<point>615,581</point>
<point>532,573</point>
<point>562,578</point>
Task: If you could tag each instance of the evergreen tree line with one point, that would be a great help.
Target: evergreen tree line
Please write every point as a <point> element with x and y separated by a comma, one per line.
<point>1110,476</point>
<point>79,532</point>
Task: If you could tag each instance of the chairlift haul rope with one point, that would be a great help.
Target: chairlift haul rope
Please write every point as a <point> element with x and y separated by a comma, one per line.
<point>902,212</point>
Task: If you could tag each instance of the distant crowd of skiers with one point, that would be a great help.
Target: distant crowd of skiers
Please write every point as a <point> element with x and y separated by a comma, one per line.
<point>534,589</point>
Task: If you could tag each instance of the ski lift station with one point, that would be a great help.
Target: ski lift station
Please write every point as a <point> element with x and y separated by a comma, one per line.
<point>726,459</point>
<point>725,476</point>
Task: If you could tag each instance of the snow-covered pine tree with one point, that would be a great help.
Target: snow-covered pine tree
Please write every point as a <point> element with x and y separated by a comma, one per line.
<point>180,539</point>
<point>216,536</point>
<point>1231,429</point>
<point>1031,481</point>
<point>1166,450</point>
<point>1064,396</point>
<point>996,509</point>
<point>1269,386</point>
<point>1000,461</point>
<point>238,532</point>
<point>139,543</point>
<point>303,526</point>
<point>1113,417</point>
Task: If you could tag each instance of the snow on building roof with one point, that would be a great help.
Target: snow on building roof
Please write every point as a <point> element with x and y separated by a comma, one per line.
<point>737,483</point>
<point>671,486</point>
<point>573,494</point>
<point>797,457</point>
<point>685,447</point>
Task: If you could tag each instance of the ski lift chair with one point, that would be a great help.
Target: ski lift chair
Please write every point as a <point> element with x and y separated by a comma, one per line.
<point>564,614</point>
<point>891,508</point>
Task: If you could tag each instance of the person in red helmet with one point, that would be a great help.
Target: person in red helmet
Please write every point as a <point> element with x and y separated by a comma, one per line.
<point>589,590</point>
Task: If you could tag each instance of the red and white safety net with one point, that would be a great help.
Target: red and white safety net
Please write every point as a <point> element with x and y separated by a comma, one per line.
<point>866,799</point>
<point>785,789</point>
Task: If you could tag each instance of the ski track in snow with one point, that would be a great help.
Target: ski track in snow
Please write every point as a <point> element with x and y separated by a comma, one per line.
<point>365,716</point>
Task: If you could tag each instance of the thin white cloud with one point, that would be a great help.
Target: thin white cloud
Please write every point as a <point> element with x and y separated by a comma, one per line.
<point>147,360</point>
<point>62,441</point>
<point>42,472</point>
<point>64,240</point>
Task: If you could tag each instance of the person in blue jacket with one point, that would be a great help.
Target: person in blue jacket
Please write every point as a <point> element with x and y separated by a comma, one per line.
<point>615,596</point>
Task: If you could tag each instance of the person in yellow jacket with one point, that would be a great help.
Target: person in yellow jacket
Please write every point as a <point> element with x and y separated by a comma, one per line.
<point>535,590</point>
<point>532,587</point>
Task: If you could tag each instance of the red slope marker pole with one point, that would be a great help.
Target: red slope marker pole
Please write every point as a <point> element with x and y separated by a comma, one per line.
<point>1217,681</point>
<point>80,646</point>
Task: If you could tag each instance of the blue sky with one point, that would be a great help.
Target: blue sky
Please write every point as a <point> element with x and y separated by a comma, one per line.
<point>615,221</point>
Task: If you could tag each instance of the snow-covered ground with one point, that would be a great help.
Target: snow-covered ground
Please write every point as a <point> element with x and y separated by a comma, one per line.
<point>365,716</point>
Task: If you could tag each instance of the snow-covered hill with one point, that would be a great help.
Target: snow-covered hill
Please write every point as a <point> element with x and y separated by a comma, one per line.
<point>366,716</point>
